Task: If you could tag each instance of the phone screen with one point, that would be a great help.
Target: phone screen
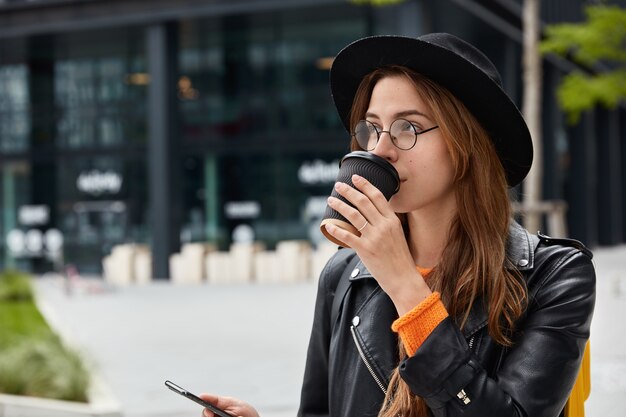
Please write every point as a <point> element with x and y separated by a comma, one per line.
<point>179,390</point>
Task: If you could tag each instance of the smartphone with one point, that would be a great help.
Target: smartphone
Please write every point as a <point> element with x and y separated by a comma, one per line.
<point>192,397</point>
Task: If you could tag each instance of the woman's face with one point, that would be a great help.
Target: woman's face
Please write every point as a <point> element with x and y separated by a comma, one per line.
<point>426,170</point>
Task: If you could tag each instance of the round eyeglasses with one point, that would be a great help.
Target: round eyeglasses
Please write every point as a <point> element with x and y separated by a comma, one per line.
<point>402,132</point>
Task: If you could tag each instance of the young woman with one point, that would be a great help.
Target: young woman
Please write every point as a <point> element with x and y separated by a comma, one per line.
<point>453,308</point>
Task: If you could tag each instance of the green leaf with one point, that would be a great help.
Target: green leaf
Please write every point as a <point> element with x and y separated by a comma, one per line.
<point>600,39</point>
<point>579,92</point>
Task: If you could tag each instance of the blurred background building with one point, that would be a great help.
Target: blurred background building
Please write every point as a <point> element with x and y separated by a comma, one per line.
<point>165,122</point>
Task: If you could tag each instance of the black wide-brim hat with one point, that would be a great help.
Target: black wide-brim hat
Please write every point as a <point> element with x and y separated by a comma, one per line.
<point>454,64</point>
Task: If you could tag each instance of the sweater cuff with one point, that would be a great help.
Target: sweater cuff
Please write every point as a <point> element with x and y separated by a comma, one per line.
<point>416,325</point>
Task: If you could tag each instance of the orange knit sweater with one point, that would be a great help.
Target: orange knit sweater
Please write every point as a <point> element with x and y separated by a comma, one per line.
<point>416,325</point>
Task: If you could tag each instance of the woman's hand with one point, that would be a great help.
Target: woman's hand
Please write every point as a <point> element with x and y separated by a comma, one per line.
<point>231,405</point>
<point>381,245</point>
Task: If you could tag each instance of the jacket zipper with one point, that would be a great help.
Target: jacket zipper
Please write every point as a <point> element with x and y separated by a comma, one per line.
<point>462,396</point>
<point>364,359</point>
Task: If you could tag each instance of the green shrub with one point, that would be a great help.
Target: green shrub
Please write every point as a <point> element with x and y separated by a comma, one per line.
<point>43,368</point>
<point>15,286</point>
<point>33,361</point>
<point>21,319</point>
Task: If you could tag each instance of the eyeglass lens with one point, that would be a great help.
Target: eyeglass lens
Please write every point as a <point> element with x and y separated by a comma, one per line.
<point>403,134</point>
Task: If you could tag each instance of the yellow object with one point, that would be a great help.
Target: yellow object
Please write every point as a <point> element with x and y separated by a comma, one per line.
<point>575,406</point>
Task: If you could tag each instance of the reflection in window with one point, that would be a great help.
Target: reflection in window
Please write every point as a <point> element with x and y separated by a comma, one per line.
<point>98,104</point>
<point>14,108</point>
<point>15,191</point>
<point>257,76</point>
<point>260,85</point>
<point>102,203</point>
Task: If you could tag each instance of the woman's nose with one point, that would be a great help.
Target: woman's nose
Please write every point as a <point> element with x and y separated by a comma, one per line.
<point>385,147</point>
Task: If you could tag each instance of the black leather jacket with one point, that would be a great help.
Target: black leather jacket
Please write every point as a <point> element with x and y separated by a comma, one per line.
<point>458,372</point>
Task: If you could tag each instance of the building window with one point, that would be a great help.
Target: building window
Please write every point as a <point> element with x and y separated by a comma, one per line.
<point>14,109</point>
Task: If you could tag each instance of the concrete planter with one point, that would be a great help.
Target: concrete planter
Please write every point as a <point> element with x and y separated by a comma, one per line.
<point>102,403</point>
<point>20,406</point>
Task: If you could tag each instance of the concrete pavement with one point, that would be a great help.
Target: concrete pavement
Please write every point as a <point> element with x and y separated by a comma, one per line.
<point>608,335</point>
<point>250,340</point>
<point>247,341</point>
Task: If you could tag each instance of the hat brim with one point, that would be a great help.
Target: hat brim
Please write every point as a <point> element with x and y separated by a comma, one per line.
<point>484,98</point>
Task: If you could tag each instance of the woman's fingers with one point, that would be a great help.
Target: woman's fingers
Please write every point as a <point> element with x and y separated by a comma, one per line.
<point>367,202</point>
<point>349,238</point>
<point>368,199</point>
<point>231,405</point>
<point>215,400</point>
<point>352,215</point>
<point>374,194</point>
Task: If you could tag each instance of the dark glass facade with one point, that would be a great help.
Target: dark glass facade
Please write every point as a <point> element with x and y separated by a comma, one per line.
<point>257,140</point>
<point>73,129</point>
<point>253,139</point>
<point>255,111</point>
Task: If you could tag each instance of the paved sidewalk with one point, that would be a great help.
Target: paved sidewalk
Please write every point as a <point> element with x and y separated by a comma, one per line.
<point>608,335</point>
<point>250,340</point>
<point>247,341</point>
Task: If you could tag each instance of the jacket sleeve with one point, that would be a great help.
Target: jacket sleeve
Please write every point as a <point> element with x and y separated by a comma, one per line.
<point>536,373</point>
<point>314,397</point>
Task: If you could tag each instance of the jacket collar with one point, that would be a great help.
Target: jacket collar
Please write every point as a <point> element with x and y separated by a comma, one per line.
<point>520,247</point>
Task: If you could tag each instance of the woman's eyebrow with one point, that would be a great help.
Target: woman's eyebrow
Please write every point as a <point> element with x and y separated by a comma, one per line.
<point>399,114</point>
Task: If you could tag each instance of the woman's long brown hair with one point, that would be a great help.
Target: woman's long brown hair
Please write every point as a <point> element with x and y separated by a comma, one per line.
<point>473,266</point>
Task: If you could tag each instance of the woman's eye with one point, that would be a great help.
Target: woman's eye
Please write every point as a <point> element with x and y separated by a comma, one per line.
<point>408,126</point>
